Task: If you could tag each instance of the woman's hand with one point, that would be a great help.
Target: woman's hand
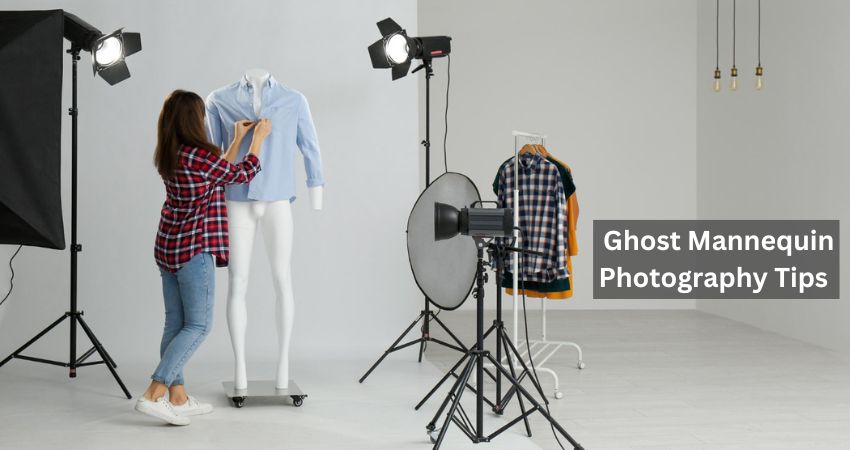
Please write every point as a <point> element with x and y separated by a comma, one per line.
<point>261,130</point>
<point>241,128</point>
<point>264,127</point>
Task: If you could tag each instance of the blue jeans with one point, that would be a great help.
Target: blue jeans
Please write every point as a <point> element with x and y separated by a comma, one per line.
<point>189,295</point>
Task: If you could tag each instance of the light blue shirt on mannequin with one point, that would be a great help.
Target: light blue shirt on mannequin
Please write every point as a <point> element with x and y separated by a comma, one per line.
<point>292,129</point>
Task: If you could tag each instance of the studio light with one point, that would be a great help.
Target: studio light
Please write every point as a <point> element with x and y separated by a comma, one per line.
<point>474,222</point>
<point>448,284</point>
<point>395,50</point>
<point>108,51</point>
<point>36,52</point>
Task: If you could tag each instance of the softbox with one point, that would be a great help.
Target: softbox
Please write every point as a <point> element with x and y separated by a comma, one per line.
<point>31,52</point>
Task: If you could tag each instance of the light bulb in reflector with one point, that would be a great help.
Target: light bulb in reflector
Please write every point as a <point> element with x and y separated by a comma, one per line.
<point>109,51</point>
<point>397,49</point>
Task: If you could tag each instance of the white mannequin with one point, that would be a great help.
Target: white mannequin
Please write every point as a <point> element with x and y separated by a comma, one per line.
<point>275,219</point>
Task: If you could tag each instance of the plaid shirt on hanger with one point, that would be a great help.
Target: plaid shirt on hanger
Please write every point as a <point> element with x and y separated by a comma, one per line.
<point>542,207</point>
<point>194,216</point>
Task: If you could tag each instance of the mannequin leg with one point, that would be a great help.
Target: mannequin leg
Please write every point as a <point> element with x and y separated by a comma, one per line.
<point>242,224</point>
<point>277,233</point>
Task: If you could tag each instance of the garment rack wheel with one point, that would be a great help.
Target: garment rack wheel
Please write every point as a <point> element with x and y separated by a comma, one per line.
<point>298,400</point>
<point>238,401</point>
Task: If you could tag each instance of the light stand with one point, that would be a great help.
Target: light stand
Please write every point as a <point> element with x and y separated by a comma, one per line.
<point>475,359</point>
<point>426,315</point>
<point>74,315</point>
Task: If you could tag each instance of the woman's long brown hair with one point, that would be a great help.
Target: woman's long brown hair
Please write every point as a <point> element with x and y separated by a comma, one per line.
<point>181,123</point>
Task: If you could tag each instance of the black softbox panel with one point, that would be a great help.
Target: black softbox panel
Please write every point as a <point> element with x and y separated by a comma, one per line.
<point>31,53</point>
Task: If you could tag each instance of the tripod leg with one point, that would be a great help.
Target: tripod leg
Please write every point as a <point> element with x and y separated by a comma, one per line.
<point>449,332</point>
<point>31,341</point>
<point>392,347</point>
<point>521,391</point>
<point>447,345</point>
<point>457,384</point>
<point>440,383</point>
<point>107,357</point>
<point>521,404</point>
<point>525,368</point>
<point>103,355</point>
<point>421,349</point>
<point>458,393</point>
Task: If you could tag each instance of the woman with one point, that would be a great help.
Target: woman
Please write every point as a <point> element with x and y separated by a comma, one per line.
<point>191,241</point>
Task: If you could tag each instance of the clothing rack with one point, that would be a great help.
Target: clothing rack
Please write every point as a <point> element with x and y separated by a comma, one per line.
<point>541,349</point>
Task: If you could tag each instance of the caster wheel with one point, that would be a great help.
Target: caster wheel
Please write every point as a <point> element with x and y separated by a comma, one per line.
<point>581,365</point>
<point>297,401</point>
<point>238,401</point>
<point>559,395</point>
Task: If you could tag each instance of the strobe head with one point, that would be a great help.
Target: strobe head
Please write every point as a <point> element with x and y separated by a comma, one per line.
<point>473,222</point>
<point>109,51</point>
<point>395,50</point>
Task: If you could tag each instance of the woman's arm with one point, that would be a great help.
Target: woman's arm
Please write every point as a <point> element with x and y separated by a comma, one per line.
<point>219,170</point>
<point>241,129</point>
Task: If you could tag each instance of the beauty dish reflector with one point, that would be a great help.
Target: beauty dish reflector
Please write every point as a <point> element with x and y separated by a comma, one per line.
<point>444,270</point>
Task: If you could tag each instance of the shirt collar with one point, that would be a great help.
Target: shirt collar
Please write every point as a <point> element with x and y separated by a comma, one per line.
<point>529,162</point>
<point>243,82</point>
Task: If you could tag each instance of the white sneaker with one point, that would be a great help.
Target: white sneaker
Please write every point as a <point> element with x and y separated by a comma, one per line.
<point>162,410</point>
<point>193,407</point>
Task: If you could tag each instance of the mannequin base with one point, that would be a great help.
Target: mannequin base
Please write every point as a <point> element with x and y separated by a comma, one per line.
<point>262,389</point>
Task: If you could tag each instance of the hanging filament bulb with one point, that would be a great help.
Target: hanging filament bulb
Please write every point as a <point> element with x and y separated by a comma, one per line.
<point>759,70</point>
<point>716,80</point>
<point>733,85</point>
<point>717,46</point>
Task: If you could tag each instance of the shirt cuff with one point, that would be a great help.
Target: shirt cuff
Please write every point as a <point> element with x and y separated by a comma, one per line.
<point>252,158</point>
<point>315,183</point>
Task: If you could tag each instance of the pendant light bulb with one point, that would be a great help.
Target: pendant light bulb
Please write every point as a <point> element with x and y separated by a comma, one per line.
<point>716,80</point>
<point>759,74</point>
<point>733,85</point>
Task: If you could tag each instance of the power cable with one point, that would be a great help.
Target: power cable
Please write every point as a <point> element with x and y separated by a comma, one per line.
<point>12,277</point>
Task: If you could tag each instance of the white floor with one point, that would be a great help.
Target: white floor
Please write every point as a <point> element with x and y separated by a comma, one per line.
<point>687,380</point>
<point>654,380</point>
<point>43,409</point>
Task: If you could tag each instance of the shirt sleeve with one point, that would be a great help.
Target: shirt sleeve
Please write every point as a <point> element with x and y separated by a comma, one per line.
<point>213,122</point>
<point>308,143</point>
<point>497,181</point>
<point>499,187</point>
<point>221,171</point>
<point>561,219</point>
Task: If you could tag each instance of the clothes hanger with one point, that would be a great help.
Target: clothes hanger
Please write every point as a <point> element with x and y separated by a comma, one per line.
<point>542,151</point>
<point>528,148</point>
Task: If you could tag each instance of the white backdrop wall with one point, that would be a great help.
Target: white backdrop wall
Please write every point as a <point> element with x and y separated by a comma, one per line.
<point>612,84</point>
<point>780,153</point>
<point>353,289</point>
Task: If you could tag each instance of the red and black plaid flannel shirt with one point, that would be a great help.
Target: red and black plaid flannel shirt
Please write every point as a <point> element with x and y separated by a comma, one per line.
<point>194,216</point>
